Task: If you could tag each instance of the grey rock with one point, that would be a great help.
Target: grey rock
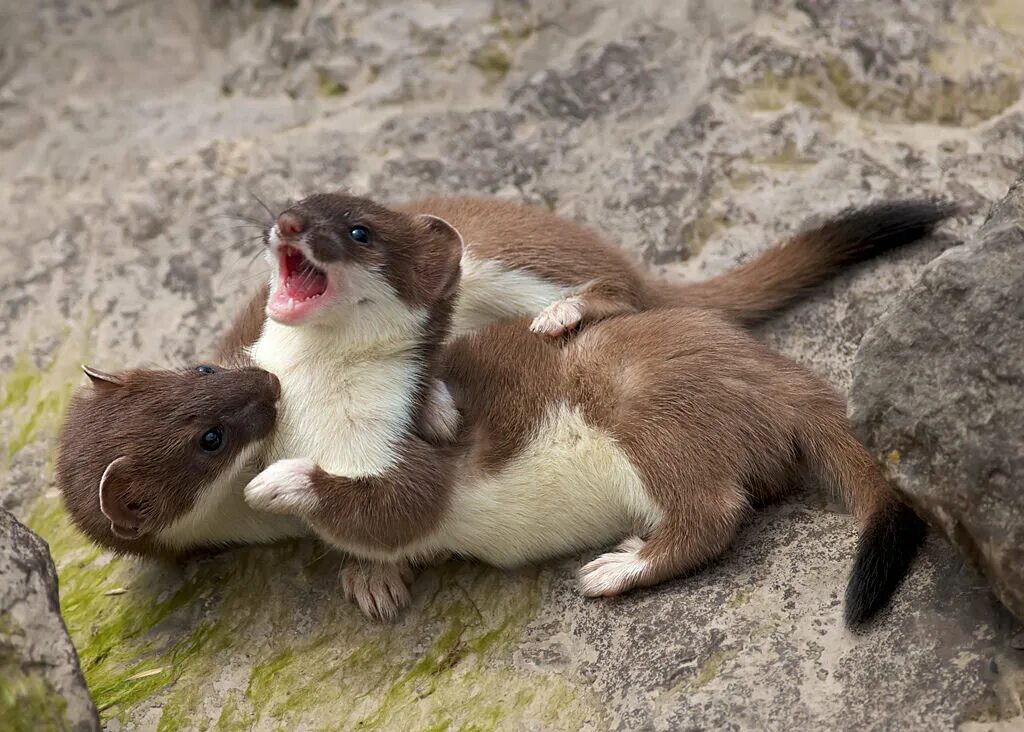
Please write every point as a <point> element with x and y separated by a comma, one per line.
<point>937,389</point>
<point>693,133</point>
<point>41,684</point>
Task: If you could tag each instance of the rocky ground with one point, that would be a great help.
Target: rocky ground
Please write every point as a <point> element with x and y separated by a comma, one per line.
<point>694,133</point>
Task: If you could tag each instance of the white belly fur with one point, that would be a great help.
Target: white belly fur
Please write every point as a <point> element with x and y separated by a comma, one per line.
<point>492,292</point>
<point>572,488</point>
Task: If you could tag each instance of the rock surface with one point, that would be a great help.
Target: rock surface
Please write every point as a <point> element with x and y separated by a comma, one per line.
<point>41,684</point>
<point>937,388</point>
<point>694,133</point>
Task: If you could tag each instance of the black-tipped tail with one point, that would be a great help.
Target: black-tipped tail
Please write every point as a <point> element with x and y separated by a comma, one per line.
<point>864,233</point>
<point>885,551</point>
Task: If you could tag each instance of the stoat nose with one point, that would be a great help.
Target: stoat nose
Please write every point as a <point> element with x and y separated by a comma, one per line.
<point>290,224</point>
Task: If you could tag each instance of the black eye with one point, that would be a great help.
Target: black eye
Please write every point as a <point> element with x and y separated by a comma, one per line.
<point>205,369</point>
<point>212,440</point>
<point>359,234</point>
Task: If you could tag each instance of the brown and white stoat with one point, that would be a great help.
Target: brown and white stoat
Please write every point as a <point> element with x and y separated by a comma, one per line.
<point>363,299</point>
<point>655,428</point>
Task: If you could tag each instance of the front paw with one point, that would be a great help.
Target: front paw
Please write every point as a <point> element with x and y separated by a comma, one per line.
<point>286,487</point>
<point>559,317</point>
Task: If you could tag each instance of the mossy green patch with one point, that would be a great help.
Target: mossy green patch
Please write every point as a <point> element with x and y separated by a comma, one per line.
<point>787,158</point>
<point>948,93</point>
<point>707,223</point>
<point>263,637</point>
<point>739,599</point>
<point>27,702</point>
<point>447,666</point>
<point>328,87</point>
<point>710,669</point>
<point>771,92</point>
<point>33,398</point>
<point>1004,15</point>
<point>493,61</point>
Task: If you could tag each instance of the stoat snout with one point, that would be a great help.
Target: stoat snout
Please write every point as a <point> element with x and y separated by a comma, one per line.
<point>300,285</point>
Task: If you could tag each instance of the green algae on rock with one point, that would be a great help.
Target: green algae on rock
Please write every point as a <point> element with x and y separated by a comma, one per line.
<point>448,661</point>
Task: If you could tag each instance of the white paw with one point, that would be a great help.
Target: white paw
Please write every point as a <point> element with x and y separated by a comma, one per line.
<point>559,317</point>
<point>615,572</point>
<point>285,487</point>
<point>380,589</point>
<point>441,419</point>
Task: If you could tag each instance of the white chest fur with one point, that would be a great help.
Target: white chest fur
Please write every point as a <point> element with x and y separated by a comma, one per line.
<point>571,488</point>
<point>344,404</point>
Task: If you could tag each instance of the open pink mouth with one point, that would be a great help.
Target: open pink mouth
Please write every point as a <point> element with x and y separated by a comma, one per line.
<point>301,286</point>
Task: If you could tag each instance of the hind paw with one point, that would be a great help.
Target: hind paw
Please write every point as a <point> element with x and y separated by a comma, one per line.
<point>380,589</point>
<point>615,572</point>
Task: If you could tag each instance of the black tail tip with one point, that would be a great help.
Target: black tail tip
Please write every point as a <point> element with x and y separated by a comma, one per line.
<point>886,549</point>
<point>880,227</point>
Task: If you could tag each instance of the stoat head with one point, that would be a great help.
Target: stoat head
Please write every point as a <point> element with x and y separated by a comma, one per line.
<point>138,448</point>
<point>334,253</point>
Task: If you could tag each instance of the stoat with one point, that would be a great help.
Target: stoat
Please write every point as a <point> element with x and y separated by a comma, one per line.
<point>657,428</point>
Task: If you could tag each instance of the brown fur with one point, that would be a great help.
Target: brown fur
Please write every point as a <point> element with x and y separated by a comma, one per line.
<point>712,419</point>
<point>547,245</point>
<point>776,278</point>
<point>404,247</point>
<point>418,255</point>
<point>154,417</point>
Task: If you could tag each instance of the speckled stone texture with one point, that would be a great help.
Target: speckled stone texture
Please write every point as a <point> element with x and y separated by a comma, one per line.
<point>693,132</point>
<point>41,684</point>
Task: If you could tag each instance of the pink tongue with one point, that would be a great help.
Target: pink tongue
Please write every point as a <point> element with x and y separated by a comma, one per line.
<point>303,285</point>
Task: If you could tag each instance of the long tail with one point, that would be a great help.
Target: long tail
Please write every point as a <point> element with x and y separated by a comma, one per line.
<point>756,290</point>
<point>891,533</point>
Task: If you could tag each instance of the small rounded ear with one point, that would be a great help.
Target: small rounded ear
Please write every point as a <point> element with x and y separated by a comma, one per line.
<point>125,518</point>
<point>101,379</point>
<point>440,275</point>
